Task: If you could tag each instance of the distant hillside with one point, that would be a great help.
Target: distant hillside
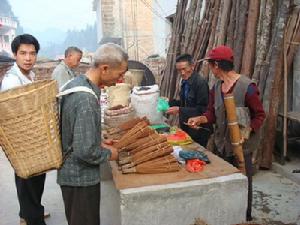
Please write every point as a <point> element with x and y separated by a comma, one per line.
<point>85,39</point>
<point>54,41</point>
<point>49,36</point>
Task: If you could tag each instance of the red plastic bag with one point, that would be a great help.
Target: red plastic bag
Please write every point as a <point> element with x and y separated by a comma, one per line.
<point>194,165</point>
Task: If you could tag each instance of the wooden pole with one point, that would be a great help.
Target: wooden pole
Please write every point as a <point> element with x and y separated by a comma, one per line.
<point>285,97</point>
<point>272,90</point>
<point>250,38</point>
<point>239,32</point>
<point>292,33</point>
<point>263,39</point>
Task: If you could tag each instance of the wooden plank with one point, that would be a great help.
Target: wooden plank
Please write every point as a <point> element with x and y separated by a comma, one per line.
<point>250,40</point>
<point>284,133</point>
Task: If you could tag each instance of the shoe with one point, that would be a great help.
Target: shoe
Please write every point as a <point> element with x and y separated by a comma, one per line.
<point>249,218</point>
<point>23,222</point>
<point>46,215</point>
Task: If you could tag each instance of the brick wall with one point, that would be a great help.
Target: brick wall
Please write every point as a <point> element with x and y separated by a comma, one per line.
<point>43,70</point>
<point>156,65</point>
<point>3,68</point>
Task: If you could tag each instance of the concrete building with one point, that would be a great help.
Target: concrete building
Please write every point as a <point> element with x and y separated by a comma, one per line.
<point>8,28</point>
<point>134,24</point>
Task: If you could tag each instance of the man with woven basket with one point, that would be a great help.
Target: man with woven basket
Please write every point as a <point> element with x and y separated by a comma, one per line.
<point>25,48</point>
<point>79,177</point>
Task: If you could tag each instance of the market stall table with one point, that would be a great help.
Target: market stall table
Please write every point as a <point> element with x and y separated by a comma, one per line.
<point>218,195</point>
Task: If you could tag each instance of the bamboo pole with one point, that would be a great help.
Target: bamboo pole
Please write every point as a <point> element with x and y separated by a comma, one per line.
<point>234,131</point>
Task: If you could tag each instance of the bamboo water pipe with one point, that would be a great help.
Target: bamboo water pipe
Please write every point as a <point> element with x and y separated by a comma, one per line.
<point>234,131</point>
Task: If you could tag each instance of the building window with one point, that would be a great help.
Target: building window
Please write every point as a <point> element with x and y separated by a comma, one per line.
<point>6,38</point>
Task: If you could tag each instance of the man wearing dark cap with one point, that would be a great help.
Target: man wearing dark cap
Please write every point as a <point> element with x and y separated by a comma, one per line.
<point>248,105</point>
<point>193,99</point>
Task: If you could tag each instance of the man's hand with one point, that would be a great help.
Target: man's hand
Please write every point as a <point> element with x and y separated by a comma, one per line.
<point>109,141</point>
<point>245,133</point>
<point>173,110</point>
<point>113,150</point>
<point>194,122</point>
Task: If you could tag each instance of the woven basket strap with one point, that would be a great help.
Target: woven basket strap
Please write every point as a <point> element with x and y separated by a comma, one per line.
<point>77,89</point>
<point>67,92</point>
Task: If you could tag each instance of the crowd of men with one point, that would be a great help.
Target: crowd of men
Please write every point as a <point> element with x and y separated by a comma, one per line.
<point>80,123</point>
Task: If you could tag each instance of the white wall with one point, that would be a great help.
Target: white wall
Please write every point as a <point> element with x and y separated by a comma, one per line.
<point>99,21</point>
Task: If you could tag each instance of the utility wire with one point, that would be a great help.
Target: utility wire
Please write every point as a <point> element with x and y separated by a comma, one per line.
<point>154,11</point>
<point>161,8</point>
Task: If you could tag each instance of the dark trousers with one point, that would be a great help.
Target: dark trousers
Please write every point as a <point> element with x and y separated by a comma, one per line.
<point>30,193</point>
<point>82,204</point>
<point>249,174</point>
<point>201,135</point>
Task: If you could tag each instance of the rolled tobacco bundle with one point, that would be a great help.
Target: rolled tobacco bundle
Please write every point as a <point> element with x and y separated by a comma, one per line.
<point>163,164</point>
<point>147,154</point>
<point>142,144</point>
<point>115,133</point>
<point>138,131</point>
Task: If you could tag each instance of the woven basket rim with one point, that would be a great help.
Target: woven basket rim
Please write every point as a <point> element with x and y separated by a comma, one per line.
<point>47,83</point>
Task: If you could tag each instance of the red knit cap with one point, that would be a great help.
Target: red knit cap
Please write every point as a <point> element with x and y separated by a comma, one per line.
<point>221,52</point>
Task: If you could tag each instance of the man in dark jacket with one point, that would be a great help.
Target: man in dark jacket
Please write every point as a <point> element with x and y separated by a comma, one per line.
<point>194,94</point>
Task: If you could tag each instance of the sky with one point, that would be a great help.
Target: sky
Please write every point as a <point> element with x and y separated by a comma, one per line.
<point>39,15</point>
<point>48,20</point>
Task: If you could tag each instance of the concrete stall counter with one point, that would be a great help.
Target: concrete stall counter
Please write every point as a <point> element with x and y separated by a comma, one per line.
<point>217,195</point>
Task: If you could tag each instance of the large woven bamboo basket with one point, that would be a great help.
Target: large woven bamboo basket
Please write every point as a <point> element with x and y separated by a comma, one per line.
<point>29,131</point>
